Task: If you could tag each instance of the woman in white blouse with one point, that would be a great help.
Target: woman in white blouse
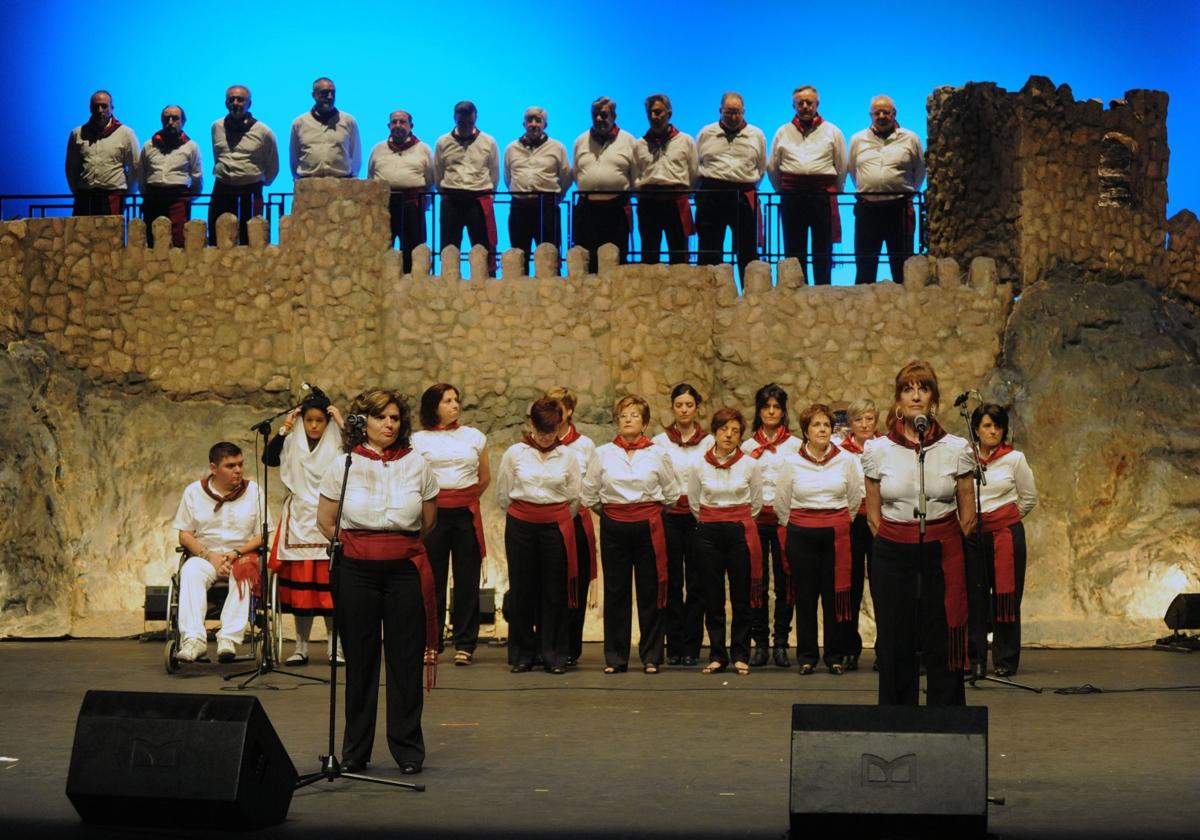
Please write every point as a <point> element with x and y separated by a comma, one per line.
<point>1005,499</point>
<point>538,486</point>
<point>919,579</point>
<point>864,418</point>
<point>630,482</point>
<point>817,492</point>
<point>725,494</point>
<point>685,441</point>
<point>459,457</point>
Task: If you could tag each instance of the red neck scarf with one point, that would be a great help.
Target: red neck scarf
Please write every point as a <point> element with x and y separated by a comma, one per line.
<point>327,120</point>
<point>932,435</point>
<point>571,436</point>
<point>162,143</point>
<point>408,142</point>
<point>711,457</point>
<point>235,493</point>
<point>529,441</point>
<point>764,445</point>
<point>449,427</point>
<point>607,137</point>
<point>465,141</point>
<point>850,443</point>
<point>387,455</point>
<point>674,435</point>
<point>658,142</point>
<point>997,453</point>
<point>236,127</point>
<point>91,135</point>
<point>641,443</point>
<point>833,450</point>
<point>731,133</point>
<point>894,128</point>
<point>532,144</point>
<point>816,123</point>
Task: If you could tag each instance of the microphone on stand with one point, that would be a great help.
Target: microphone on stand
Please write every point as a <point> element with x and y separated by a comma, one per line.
<point>921,425</point>
<point>962,398</point>
<point>356,421</point>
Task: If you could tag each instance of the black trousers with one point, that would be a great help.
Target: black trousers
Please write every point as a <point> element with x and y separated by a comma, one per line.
<point>453,539</point>
<point>716,211</point>
<point>910,616</point>
<point>598,222</point>
<point>685,587</point>
<point>723,552</point>
<point>245,202</point>
<point>374,594</point>
<point>532,221</point>
<point>811,557</point>
<point>629,559</point>
<point>577,616</point>
<point>658,216</point>
<point>463,211</point>
<point>861,541</point>
<point>98,202</point>
<point>981,591</point>
<point>407,216</point>
<point>802,213</point>
<point>781,613</point>
<point>877,223</point>
<point>537,594</point>
<point>173,202</point>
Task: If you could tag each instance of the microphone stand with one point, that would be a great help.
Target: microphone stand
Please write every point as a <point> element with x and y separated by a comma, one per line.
<point>920,513</point>
<point>331,768</point>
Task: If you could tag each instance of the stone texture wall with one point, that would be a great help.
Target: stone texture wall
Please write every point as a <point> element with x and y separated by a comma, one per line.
<point>1183,255</point>
<point>1035,179</point>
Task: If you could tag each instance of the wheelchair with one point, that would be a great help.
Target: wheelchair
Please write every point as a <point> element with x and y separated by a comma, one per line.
<point>262,614</point>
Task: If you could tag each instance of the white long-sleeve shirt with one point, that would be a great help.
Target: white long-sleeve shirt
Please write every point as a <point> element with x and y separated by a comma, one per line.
<point>109,163</point>
<point>537,169</point>
<point>684,459</point>
<point>803,484</point>
<point>607,166</point>
<point>894,163</point>
<point>220,530</point>
<point>411,169</point>
<point>740,484</point>
<point>1009,481</point>
<point>524,475</point>
<point>382,495</point>
<point>615,476</point>
<point>740,158</point>
<point>253,159</point>
<point>895,468</point>
<point>453,454</point>
<point>471,166</point>
<point>821,152</point>
<point>320,150</point>
<point>180,167</point>
<point>770,462</point>
<point>673,165</point>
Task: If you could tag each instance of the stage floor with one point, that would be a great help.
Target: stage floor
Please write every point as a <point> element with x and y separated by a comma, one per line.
<point>679,754</point>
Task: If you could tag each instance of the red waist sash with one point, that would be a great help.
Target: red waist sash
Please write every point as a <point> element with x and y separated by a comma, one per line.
<point>557,514</point>
<point>999,524</point>
<point>741,515</point>
<point>682,507</point>
<point>650,513</point>
<point>766,517</point>
<point>839,521</point>
<point>946,531</point>
<point>466,497</point>
<point>748,191</point>
<point>589,530</point>
<point>818,183</point>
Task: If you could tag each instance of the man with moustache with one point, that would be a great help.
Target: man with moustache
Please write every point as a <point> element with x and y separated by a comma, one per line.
<point>808,166</point>
<point>245,159</point>
<point>170,175</point>
<point>667,167</point>
<point>406,164</point>
<point>466,169</point>
<point>102,157</point>
<point>324,140</point>
<point>537,173</point>
<point>605,169</point>
<point>884,158</point>
<point>733,158</point>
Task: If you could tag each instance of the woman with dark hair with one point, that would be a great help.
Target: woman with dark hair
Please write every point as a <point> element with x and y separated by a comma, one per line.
<point>816,489</point>
<point>538,485</point>
<point>630,482</point>
<point>725,494</point>
<point>459,457</point>
<point>383,578</point>
<point>299,551</point>
<point>685,442</point>
<point>919,579</point>
<point>999,553</point>
<point>863,418</point>
<point>770,444</point>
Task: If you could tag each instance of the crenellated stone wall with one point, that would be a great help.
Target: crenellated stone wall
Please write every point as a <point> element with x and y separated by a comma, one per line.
<point>1183,255</point>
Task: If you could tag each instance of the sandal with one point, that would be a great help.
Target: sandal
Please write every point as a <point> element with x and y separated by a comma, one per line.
<point>806,669</point>
<point>615,669</point>
<point>463,657</point>
<point>713,668</point>
<point>296,660</point>
<point>649,668</point>
<point>741,668</point>
<point>837,669</point>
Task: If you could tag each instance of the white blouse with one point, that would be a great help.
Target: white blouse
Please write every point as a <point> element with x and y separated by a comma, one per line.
<point>740,484</point>
<point>895,468</point>
<point>525,476</point>
<point>453,454</point>
<point>382,495</point>
<point>802,484</point>
<point>770,462</point>
<point>615,476</point>
<point>1009,481</point>
<point>684,459</point>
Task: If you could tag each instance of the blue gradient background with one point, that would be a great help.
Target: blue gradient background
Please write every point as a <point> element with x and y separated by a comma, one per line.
<point>505,56</point>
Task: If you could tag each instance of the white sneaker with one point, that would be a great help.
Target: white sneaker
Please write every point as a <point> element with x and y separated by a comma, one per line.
<point>226,650</point>
<point>191,650</point>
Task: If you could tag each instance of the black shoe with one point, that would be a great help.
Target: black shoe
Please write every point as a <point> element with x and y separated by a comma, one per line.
<point>571,661</point>
<point>521,668</point>
<point>781,658</point>
<point>759,657</point>
<point>875,665</point>
<point>674,660</point>
<point>690,661</point>
<point>410,768</point>
<point>353,765</point>
<point>538,662</point>
<point>851,663</point>
<point>1001,671</point>
<point>557,669</point>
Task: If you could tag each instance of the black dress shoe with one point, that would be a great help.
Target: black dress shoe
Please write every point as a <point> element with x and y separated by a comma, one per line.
<point>851,663</point>
<point>520,668</point>
<point>556,669</point>
<point>571,662</point>
<point>759,657</point>
<point>1001,671</point>
<point>690,661</point>
<point>781,658</point>
<point>674,660</point>
<point>410,768</point>
<point>353,765</point>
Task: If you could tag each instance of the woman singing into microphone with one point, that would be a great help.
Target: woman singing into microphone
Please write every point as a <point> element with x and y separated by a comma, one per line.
<point>919,581</point>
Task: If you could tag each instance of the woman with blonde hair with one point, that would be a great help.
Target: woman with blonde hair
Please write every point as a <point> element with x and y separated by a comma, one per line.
<point>864,418</point>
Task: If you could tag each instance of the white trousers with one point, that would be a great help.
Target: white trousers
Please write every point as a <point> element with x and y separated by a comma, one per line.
<point>195,578</point>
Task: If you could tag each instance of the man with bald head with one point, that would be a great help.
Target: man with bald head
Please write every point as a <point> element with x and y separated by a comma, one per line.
<point>170,175</point>
<point>888,166</point>
<point>324,140</point>
<point>245,160</point>
<point>466,169</point>
<point>406,164</point>
<point>102,156</point>
<point>537,173</point>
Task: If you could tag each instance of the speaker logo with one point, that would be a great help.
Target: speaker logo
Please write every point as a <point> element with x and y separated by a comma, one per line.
<point>879,772</point>
<point>151,755</point>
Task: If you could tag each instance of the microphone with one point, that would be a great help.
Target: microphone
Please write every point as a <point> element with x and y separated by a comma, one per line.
<point>356,421</point>
<point>921,424</point>
<point>962,398</point>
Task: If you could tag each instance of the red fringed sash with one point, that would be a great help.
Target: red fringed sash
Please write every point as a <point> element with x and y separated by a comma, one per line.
<point>589,531</point>
<point>650,513</point>
<point>741,515</point>
<point>818,183</point>
<point>466,497</point>
<point>558,514</point>
<point>999,524</point>
<point>839,521</point>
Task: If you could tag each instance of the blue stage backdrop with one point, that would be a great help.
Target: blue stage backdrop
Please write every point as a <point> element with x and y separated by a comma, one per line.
<point>561,55</point>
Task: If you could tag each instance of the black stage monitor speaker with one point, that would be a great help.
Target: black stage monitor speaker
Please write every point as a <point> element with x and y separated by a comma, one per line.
<point>1184,612</point>
<point>179,760</point>
<point>894,770</point>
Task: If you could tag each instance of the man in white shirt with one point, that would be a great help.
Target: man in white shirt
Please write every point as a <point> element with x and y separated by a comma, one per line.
<point>466,169</point>
<point>808,167</point>
<point>406,164</point>
<point>325,140</point>
<point>245,159</point>
<point>605,170</point>
<point>667,168</point>
<point>170,175</point>
<point>101,162</point>
<point>537,173</point>
<point>219,520</point>
<point>887,159</point>
<point>733,158</point>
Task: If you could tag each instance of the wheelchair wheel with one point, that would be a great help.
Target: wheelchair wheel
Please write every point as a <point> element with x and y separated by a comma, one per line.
<point>169,652</point>
<point>171,648</point>
<point>276,622</point>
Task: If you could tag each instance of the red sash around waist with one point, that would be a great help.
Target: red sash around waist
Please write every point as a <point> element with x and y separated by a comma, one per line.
<point>402,545</point>
<point>466,497</point>
<point>999,524</point>
<point>766,517</point>
<point>839,521</point>
<point>741,515</point>
<point>589,531</point>
<point>651,514</point>
<point>557,514</point>
<point>682,206</point>
<point>682,507</point>
<point>818,183</point>
<point>748,191</point>
<point>946,531</point>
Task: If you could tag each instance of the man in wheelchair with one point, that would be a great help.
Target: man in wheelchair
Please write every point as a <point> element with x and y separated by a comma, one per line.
<point>219,521</point>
